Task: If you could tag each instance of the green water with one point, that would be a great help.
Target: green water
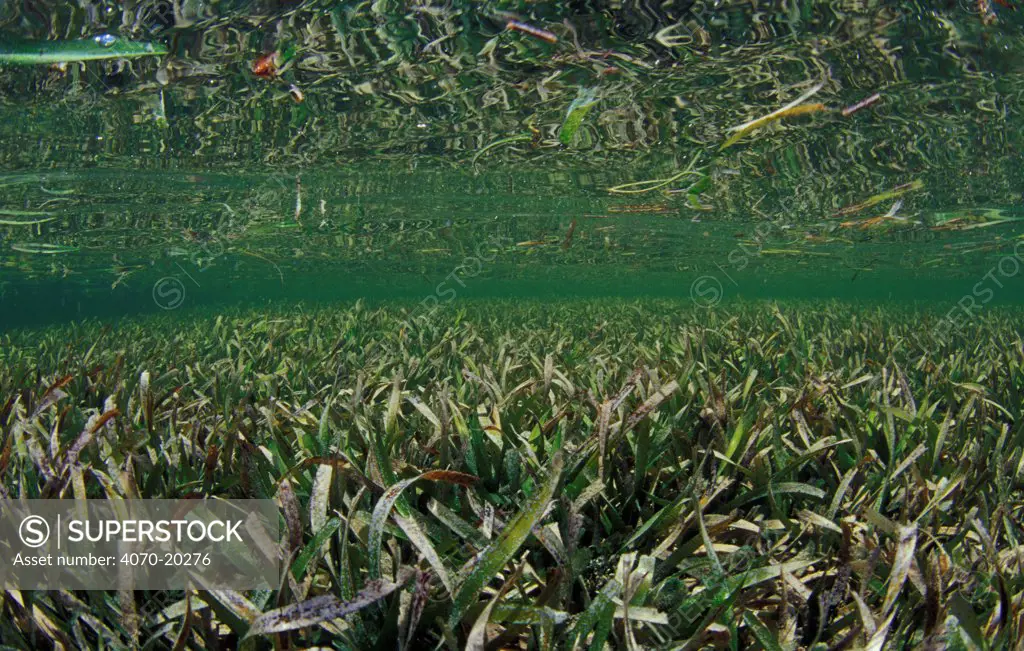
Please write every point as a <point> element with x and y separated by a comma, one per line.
<point>426,161</point>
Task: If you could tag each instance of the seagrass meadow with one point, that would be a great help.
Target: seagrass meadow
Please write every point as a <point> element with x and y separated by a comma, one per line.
<point>548,475</point>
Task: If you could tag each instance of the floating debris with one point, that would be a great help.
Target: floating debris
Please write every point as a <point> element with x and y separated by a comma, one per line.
<point>536,32</point>
<point>271,66</point>
<point>123,272</point>
<point>567,242</point>
<point>504,141</point>
<point>101,47</point>
<point>896,192</point>
<point>864,224</point>
<point>639,187</point>
<point>23,213</point>
<point>43,248</point>
<point>43,218</point>
<point>864,103</point>
<point>656,208</point>
<point>585,100</point>
<point>266,66</point>
<point>793,109</point>
<point>988,14</point>
<point>794,252</point>
<point>265,259</point>
<point>970,219</point>
<point>693,201</point>
<point>60,193</point>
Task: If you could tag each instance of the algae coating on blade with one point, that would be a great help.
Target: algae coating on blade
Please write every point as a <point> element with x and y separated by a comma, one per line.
<point>88,49</point>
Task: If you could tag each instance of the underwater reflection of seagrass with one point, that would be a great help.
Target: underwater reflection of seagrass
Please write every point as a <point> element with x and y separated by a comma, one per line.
<point>441,84</point>
<point>548,476</point>
<point>378,138</point>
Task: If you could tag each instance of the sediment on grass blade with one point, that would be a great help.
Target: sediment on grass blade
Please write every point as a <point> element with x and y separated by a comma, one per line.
<point>232,608</point>
<point>290,507</point>
<point>477,639</point>
<point>598,615</point>
<point>324,608</point>
<point>382,511</point>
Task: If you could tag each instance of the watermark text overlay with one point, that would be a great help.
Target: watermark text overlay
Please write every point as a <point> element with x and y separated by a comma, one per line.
<point>139,544</point>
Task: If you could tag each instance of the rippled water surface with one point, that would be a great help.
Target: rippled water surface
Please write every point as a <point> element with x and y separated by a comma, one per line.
<point>432,152</point>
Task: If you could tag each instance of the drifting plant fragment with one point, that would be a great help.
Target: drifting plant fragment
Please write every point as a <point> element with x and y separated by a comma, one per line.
<point>43,248</point>
<point>793,109</point>
<point>874,221</point>
<point>567,242</point>
<point>536,32</point>
<point>585,100</point>
<point>522,137</point>
<point>24,222</point>
<point>267,260</point>
<point>639,187</point>
<point>895,193</point>
<point>105,46</point>
<point>644,208</point>
<point>864,103</point>
<point>271,64</point>
<point>266,66</point>
<point>987,13</point>
<point>970,219</point>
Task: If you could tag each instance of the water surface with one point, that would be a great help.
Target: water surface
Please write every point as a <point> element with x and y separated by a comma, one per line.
<point>426,157</point>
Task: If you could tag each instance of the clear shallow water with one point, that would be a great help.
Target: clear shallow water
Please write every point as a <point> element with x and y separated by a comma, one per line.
<point>151,242</point>
<point>426,160</point>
